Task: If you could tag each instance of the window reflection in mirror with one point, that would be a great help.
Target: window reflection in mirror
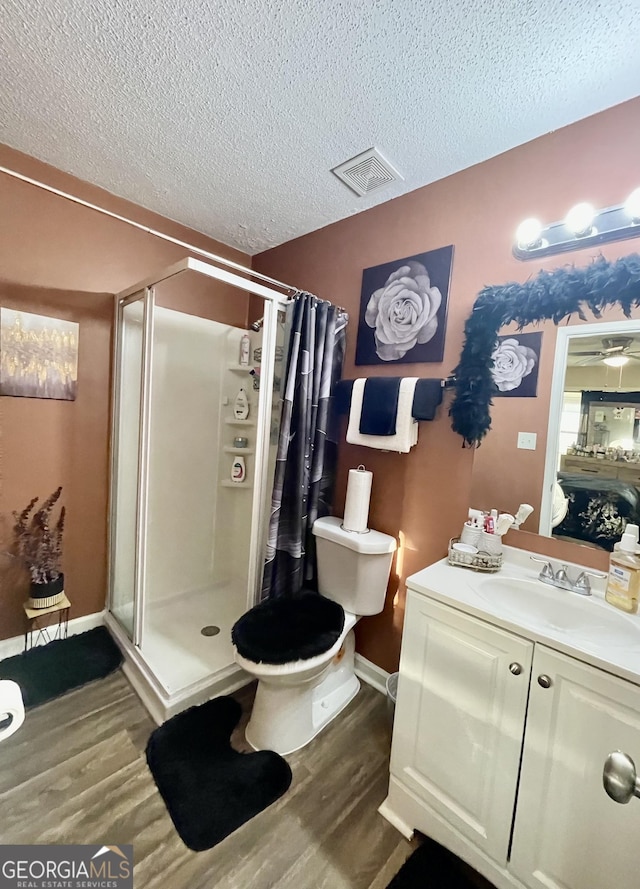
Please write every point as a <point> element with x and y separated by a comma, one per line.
<point>592,475</point>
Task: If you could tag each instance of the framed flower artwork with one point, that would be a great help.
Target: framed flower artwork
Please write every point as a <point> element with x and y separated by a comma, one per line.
<point>516,361</point>
<point>403,309</point>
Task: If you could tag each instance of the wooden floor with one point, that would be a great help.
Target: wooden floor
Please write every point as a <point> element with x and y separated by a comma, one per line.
<point>76,773</point>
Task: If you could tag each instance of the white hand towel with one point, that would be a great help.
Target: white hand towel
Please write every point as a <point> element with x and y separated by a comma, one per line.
<point>406,427</point>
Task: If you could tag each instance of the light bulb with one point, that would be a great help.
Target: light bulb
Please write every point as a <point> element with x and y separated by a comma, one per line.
<point>528,234</point>
<point>616,360</point>
<point>632,205</point>
<point>580,219</point>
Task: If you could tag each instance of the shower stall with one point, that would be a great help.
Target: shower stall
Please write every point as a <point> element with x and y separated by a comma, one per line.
<point>186,542</point>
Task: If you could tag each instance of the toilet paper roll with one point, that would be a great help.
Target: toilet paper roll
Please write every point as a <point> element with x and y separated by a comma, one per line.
<point>11,708</point>
<point>356,507</point>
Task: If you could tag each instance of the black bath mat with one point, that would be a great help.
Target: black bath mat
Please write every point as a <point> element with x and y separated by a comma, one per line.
<point>208,787</point>
<point>50,670</point>
<point>433,867</point>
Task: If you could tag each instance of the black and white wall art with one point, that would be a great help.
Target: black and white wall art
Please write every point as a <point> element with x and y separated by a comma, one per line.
<point>403,309</point>
<point>516,361</point>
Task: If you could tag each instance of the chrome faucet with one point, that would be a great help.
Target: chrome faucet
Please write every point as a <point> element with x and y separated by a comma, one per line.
<point>560,578</point>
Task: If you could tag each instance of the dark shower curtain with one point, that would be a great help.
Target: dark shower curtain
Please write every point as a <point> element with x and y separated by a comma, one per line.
<point>307,446</point>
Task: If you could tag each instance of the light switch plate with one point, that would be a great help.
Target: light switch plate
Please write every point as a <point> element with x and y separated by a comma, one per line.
<point>527,440</point>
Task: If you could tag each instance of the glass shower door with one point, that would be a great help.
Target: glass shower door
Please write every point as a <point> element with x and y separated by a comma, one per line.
<point>185,539</point>
<point>126,448</point>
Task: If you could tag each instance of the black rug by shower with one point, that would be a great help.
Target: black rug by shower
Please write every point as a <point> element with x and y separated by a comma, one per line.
<point>208,787</point>
<point>432,866</point>
<point>48,671</point>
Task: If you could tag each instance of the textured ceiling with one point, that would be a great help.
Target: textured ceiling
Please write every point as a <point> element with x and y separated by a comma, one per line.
<point>228,115</point>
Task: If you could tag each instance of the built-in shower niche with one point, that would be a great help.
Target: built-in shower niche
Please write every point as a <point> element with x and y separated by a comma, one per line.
<point>186,541</point>
<point>232,538</point>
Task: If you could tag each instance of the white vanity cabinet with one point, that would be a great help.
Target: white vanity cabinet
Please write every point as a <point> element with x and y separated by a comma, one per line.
<point>462,697</point>
<point>568,833</point>
<point>498,752</point>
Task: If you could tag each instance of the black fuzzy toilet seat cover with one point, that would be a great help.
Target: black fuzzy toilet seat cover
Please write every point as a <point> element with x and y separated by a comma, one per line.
<point>290,628</point>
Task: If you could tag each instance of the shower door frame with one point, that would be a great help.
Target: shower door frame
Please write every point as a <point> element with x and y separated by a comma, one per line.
<point>146,296</point>
<point>273,302</point>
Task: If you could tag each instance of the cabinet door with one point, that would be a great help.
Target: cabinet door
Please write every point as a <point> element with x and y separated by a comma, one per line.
<point>568,833</point>
<point>459,720</point>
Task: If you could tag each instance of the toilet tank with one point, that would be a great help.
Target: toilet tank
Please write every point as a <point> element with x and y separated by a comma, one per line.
<point>353,569</point>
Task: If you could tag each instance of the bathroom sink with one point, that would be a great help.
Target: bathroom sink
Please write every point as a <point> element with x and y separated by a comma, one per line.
<point>536,604</point>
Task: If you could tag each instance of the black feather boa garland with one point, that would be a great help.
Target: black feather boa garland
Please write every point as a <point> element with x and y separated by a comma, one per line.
<point>550,295</point>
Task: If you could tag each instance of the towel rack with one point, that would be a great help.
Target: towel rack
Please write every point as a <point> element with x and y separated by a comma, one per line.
<point>343,389</point>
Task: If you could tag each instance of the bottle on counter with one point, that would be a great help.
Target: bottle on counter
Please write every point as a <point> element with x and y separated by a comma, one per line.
<point>634,531</point>
<point>624,575</point>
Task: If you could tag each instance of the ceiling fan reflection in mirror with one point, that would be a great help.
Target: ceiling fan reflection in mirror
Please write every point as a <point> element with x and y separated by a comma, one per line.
<point>615,351</point>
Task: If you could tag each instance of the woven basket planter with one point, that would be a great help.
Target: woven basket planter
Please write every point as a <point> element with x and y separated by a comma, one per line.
<point>46,595</point>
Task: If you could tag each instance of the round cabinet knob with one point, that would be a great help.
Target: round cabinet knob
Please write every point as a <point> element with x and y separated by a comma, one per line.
<point>515,668</point>
<point>544,681</point>
<point>619,777</point>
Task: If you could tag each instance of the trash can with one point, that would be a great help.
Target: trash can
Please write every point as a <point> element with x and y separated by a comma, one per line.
<point>392,695</point>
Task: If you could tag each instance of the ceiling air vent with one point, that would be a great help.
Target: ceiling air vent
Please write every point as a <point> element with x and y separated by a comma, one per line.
<point>367,172</point>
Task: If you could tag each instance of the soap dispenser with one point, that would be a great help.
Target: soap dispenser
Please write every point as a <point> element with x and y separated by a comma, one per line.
<point>624,575</point>
<point>629,529</point>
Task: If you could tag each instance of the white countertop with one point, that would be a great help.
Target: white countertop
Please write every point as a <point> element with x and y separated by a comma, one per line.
<point>602,636</point>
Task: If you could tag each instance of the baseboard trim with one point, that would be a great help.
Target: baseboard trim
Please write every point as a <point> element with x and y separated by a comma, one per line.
<point>371,673</point>
<point>15,644</point>
<point>393,818</point>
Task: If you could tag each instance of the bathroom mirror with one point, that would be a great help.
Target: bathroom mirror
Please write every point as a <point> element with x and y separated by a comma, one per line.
<point>601,399</point>
<point>591,485</point>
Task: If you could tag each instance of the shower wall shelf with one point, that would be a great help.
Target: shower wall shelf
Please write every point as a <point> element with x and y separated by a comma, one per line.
<point>228,449</point>
<point>240,368</point>
<point>231,422</point>
<point>227,483</point>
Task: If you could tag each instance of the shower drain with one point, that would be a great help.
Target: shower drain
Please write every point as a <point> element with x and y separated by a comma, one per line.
<point>210,630</point>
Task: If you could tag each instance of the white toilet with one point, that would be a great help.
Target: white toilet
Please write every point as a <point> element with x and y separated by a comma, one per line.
<point>296,699</point>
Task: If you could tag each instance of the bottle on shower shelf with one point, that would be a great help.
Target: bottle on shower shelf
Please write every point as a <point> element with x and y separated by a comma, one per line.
<point>241,406</point>
<point>238,469</point>
<point>245,349</point>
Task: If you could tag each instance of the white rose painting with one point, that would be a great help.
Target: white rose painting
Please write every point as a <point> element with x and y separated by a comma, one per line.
<point>403,309</point>
<point>516,360</point>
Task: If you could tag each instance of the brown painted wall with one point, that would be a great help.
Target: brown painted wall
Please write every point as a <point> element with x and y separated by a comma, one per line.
<point>61,259</point>
<point>422,497</point>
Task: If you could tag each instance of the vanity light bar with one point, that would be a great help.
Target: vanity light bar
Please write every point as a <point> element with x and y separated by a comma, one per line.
<point>583,226</point>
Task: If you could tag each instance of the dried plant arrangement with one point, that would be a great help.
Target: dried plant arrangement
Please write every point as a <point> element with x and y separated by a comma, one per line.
<point>38,542</point>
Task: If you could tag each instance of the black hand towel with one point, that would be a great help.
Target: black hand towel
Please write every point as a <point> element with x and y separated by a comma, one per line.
<point>380,406</point>
<point>426,399</point>
<point>342,397</point>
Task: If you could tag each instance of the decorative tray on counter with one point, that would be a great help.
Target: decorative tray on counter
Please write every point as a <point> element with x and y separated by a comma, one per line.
<point>480,561</point>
